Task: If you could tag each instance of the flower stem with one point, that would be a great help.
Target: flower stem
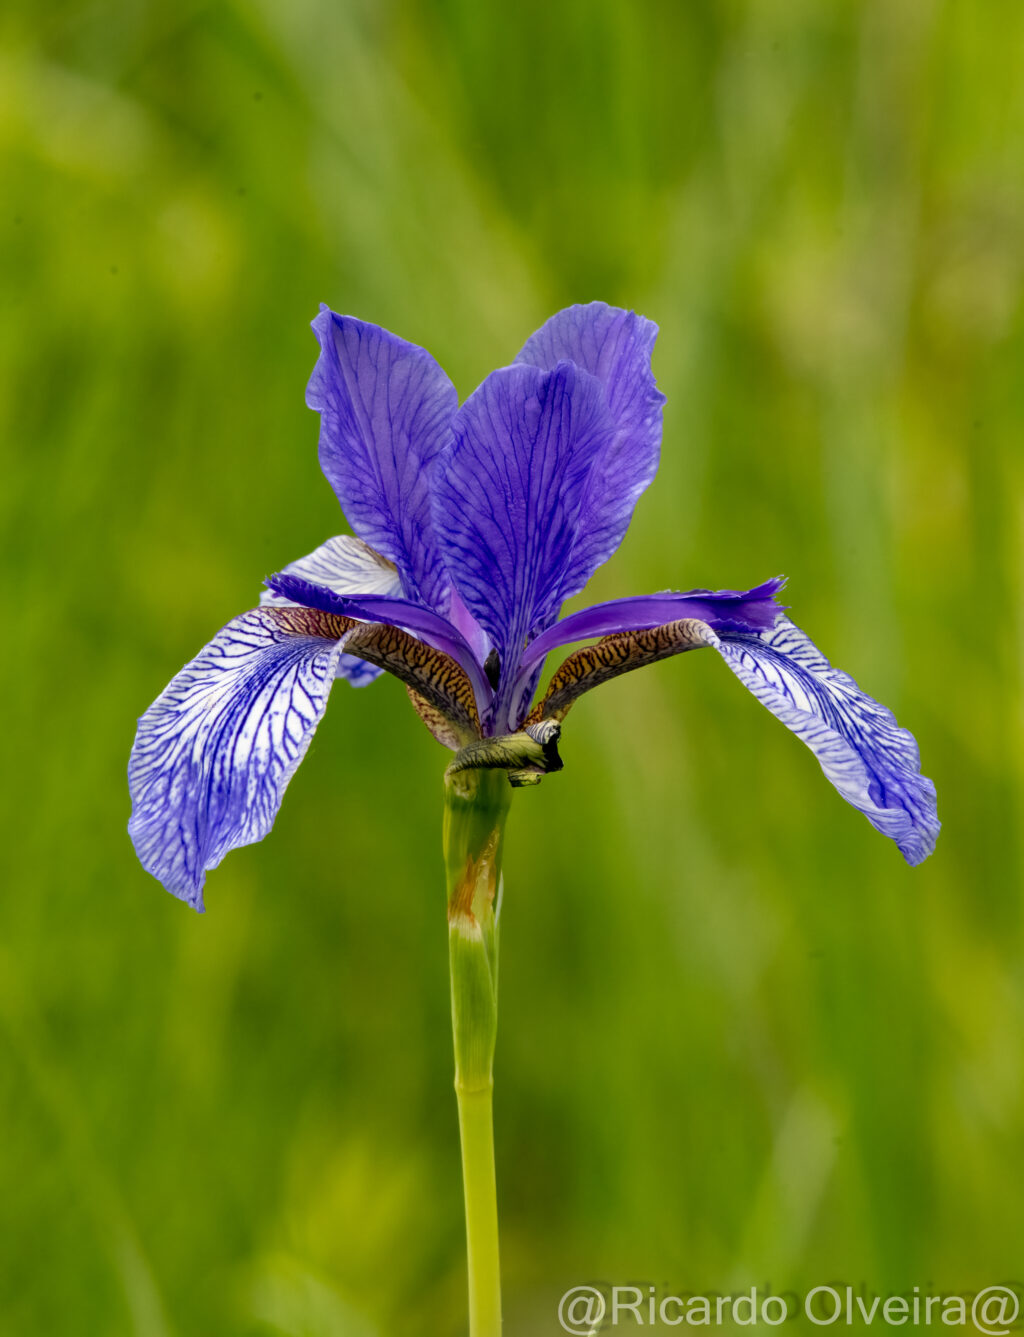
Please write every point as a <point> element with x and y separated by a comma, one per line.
<point>475,1127</point>
<point>476,805</point>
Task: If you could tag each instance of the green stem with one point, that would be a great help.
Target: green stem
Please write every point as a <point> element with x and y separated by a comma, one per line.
<point>476,805</point>
<point>475,1127</point>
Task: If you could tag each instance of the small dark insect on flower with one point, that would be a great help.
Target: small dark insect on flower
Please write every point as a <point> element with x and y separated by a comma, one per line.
<point>473,524</point>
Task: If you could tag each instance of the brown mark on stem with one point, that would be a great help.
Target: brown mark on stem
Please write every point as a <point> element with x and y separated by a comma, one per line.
<point>473,894</point>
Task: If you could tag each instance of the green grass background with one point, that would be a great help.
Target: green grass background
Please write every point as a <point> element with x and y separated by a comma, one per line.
<point>741,1042</point>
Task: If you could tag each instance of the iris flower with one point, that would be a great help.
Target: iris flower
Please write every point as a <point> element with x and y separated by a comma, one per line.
<point>472,526</point>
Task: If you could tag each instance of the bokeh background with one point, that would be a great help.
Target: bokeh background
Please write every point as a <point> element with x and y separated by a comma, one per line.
<point>742,1043</point>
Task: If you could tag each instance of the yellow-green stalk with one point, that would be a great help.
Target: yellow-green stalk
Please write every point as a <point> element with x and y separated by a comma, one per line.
<point>476,805</point>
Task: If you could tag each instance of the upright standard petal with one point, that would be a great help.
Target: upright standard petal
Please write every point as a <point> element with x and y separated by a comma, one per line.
<point>508,492</point>
<point>615,346</point>
<point>215,751</point>
<point>872,762</point>
<point>345,565</point>
<point>386,410</point>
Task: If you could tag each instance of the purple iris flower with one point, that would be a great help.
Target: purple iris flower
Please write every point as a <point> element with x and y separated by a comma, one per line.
<point>473,524</point>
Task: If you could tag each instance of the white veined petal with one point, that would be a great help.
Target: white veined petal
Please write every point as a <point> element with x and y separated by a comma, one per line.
<point>214,753</point>
<point>873,763</point>
<point>346,565</point>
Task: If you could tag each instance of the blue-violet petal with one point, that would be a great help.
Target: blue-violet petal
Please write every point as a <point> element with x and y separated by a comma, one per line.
<point>615,346</point>
<point>386,409</point>
<point>508,492</point>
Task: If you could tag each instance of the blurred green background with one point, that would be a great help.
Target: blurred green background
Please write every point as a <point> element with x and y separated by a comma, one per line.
<point>741,1041</point>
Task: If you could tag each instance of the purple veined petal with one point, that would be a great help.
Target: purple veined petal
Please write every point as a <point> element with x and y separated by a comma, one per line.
<point>423,622</point>
<point>464,622</point>
<point>345,565</point>
<point>214,753</point>
<point>615,346</point>
<point>752,610</point>
<point>872,762</point>
<point>386,409</point>
<point>508,491</point>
